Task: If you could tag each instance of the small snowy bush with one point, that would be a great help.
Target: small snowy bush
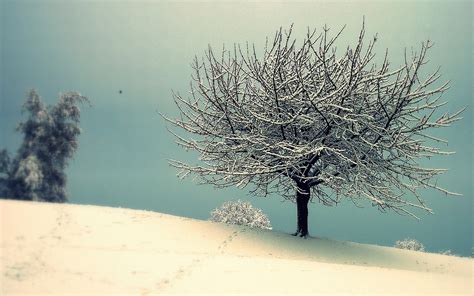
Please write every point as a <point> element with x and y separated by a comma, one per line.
<point>240,213</point>
<point>447,252</point>
<point>410,244</point>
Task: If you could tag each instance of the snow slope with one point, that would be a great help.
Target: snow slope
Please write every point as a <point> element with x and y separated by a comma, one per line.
<point>66,249</point>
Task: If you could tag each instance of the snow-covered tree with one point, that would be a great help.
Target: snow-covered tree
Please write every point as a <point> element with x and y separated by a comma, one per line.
<point>308,119</point>
<point>240,213</point>
<point>410,244</point>
<point>49,141</point>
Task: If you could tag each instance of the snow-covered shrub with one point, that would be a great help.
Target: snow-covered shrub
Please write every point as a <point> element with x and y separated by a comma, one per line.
<point>240,213</point>
<point>410,244</point>
<point>447,252</point>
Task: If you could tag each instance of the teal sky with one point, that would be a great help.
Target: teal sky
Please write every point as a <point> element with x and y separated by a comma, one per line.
<point>145,50</point>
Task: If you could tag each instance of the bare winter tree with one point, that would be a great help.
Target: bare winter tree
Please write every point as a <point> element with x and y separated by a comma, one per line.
<point>49,141</point>
<point>305,119</point>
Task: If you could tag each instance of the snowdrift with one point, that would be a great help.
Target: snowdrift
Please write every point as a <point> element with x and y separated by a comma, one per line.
<point>65,249</point>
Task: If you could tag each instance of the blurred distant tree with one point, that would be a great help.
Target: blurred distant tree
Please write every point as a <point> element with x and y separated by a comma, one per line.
<point>304,119</point>
<point>49,141</point>
<point>4,164</point>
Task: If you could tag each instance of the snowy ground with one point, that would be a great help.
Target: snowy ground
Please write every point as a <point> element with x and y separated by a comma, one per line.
<point>66,249</point>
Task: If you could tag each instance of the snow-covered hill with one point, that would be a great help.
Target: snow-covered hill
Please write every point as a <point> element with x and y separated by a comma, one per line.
<point>65,249</point>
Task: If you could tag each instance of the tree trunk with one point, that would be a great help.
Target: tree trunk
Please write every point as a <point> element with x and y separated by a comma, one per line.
<point>302,199</point>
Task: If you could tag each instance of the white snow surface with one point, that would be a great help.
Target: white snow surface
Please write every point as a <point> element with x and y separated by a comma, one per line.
<point>66,249</point>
